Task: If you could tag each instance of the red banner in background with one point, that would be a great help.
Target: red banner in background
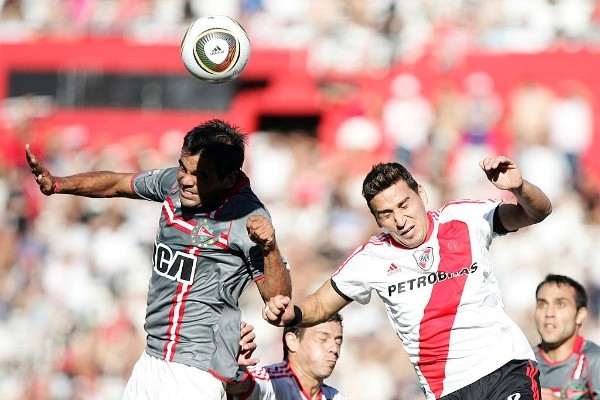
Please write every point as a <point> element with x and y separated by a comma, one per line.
<point>286,88</point>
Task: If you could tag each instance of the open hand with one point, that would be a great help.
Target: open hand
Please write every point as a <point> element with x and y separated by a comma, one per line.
<point>42,175</point>
<point>502,172</point>
<point>247,346</point>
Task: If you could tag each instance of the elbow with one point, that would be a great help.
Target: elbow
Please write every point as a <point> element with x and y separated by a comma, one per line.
<point>542,213</point>
<point>546,211</point>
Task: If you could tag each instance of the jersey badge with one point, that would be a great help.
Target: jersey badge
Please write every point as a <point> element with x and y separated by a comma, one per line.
<point>203,235</point>
<point>573,391</point>
<point>424,258</point>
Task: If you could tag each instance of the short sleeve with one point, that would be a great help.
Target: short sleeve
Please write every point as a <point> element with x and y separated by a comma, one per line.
<point>155,185</point>
<point>351,279</point>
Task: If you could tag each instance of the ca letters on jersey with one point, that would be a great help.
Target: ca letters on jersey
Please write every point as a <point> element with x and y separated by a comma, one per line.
<point>176,266</point>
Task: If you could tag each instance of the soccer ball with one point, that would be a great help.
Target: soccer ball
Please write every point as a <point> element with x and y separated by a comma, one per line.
<point>215,49</point>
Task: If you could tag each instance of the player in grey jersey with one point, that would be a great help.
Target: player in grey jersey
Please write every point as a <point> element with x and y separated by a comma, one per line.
<point>569,364</point>
<point>214,238</point>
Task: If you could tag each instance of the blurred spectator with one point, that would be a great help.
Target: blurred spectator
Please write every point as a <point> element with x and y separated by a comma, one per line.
<point>529,107</point>
<point>407,118</point>
<point>571,124</point>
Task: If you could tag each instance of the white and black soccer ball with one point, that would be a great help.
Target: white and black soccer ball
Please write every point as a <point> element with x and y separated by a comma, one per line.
<point>215,48</point>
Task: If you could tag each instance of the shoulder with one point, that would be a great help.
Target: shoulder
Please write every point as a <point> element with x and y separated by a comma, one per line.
<point>332,393</point>
<point>592,351</point>
<point>270,372</point>
<point>377,247</point>
<point>244,203</point>
<point>466,207</point>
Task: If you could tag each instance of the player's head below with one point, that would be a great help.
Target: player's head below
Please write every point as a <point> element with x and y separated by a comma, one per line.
<point>579,294</point>
<point>219,142</point>
<point>397,202</point>
<point>314,349</point>
<point>561,307</point>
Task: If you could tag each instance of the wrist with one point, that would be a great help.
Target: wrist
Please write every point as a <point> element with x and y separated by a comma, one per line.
<point>55,188</point>
<point>297,318</point>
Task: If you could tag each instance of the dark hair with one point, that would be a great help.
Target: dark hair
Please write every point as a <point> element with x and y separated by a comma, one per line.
<point>581,299</point>
<point>299,332</point>
<point>218,141</point>
<point>382,176</point>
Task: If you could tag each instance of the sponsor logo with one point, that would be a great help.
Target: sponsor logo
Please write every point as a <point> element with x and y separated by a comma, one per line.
<point>514,396</point>
<point>393,269</point>
<point>428,279</point>
<point>216,50</point>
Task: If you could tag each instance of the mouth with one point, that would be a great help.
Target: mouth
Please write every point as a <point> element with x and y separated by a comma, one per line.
<point>187,194</point>
<point>406,232</point>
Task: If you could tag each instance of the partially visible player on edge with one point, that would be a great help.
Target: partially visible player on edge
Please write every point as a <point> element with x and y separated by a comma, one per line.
<point>569,364</point>
<point>433,271</point>
<point>214,238</point>
<point>309,357</point>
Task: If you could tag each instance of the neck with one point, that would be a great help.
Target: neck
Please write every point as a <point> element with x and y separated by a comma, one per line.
<point>309,385</point>
<point>562,351</point>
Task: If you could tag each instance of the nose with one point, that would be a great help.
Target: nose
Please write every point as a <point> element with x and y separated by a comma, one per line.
<point>186,179</point>
<point>400,219</point>
<point>550,310</point>
<point>334,348</point>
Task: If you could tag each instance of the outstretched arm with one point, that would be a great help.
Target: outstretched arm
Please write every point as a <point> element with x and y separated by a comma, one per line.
<point>88,184</point>
<point>531,205</point>
<point>312,310</point>
<point>277,279</point>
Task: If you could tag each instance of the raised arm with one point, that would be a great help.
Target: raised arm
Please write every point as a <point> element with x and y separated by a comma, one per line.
<point>277,279</point>
<point>312,310</point>
<point>88,184</point>
<point>531,204</point>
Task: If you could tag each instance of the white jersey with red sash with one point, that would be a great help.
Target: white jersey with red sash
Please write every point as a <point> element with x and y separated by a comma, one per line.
<point>279,382</point>
<point>202,262</point>
<point>575,378</point>
<point>442,297</point>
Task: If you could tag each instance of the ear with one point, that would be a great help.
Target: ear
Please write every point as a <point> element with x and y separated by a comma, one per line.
<point>581,315</point>
<point>292,342</point>
<point>231,178</point>
<point>422,194</point>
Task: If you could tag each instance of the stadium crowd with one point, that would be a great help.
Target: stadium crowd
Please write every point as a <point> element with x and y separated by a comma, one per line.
<point>74,272</point>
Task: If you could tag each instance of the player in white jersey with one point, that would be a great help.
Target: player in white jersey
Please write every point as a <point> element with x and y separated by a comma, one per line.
<point>433,272</point>
<point>309,357</point>
<point>214,238</point>
<point>569,364</point>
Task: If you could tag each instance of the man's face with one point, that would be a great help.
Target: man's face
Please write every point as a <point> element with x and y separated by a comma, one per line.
<point>556,315</point>
<point>401,211</point>
<point>199,184</point>
<point>319,349</point>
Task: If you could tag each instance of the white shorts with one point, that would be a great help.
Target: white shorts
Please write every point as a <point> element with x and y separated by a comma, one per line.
<point>156,379</point>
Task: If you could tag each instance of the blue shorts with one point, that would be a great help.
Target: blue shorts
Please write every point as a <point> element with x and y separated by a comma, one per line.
<point>515,380</point>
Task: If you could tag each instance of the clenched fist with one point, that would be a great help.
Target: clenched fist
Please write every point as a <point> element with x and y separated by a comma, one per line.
<point>261,232</point>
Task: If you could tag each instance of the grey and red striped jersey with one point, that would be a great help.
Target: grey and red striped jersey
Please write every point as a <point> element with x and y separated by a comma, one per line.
<point>201,264</point>
<point>575,378</point>
<point>442,297</point>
